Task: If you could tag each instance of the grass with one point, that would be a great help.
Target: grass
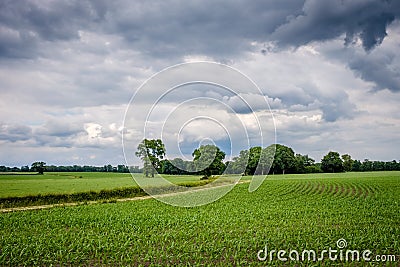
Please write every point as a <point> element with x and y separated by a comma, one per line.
<point>21,184</point>
<point>286,212</point>
<point>18,185</point>
<point>59,188</point>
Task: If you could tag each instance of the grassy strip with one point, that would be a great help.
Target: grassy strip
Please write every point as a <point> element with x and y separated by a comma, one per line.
<point>35,200</point>
<point>105,194</point>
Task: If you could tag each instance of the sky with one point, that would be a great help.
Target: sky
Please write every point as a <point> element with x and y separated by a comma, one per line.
<point>329,70</point>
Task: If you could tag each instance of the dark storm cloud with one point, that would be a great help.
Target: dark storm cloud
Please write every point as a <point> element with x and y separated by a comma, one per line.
<point>25,24</point>
<point>333,108</point>
<point>217,28</point>
<point>14,133</point>
<point>325,20</point>
<point>58,129</point>
<point>170,30</point>
<point>334,103</point>
<point>176,28</point>
<point>379,69</point>
<point>157,28</point>
<point>52,132</point>
<point>357,20</point>
<point>332,111</point>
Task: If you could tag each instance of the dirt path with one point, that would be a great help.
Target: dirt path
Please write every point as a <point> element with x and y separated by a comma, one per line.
<point>48,206</point>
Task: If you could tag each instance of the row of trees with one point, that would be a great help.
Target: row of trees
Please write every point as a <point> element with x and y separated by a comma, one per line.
<point>38,166</point>
<point>208,160</point>
<point>41,167</point>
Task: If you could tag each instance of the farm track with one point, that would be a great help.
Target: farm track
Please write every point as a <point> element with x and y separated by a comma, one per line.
<point>71,204</point>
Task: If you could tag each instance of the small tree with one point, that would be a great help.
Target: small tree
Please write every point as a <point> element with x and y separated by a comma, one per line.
<point>151,152</point>
<point>39,167</point>
<point>332,162</point>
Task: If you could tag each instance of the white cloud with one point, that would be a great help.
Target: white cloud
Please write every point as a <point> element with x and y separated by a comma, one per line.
<point>93,130</point>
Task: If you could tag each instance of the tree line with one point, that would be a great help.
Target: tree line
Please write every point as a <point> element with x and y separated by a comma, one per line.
<point>40,167</point>
<point>208,160</point>
<point>274,159</point>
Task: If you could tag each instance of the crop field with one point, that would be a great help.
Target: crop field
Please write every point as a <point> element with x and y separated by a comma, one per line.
<point>288,212</point>
<point>71,182</point>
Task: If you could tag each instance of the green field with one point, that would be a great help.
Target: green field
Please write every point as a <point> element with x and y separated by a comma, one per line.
<point>288,212</point>
<point>12,185</point>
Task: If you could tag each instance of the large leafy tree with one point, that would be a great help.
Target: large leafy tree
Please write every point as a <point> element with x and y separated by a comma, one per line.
<point>176,166</point>
<point>39,166</point>
<point>151,152</point>
<point>266,159</point>
<point>303,162</point>
<point>367,165</point>
<point>284,159</point>
<point>332,162</point>
<point>240,162</point>
<point>180,165</point>
<point>254,158</point>
<point>357,166</point>
<point>208,160</point>
<point>347,162</point>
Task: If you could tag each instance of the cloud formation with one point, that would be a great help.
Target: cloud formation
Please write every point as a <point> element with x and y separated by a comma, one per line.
<point>362,20</point>
<point>176,28</point>
<point>68,69</point>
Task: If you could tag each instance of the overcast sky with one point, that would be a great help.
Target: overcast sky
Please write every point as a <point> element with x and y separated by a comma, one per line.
<point>330,71</point>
